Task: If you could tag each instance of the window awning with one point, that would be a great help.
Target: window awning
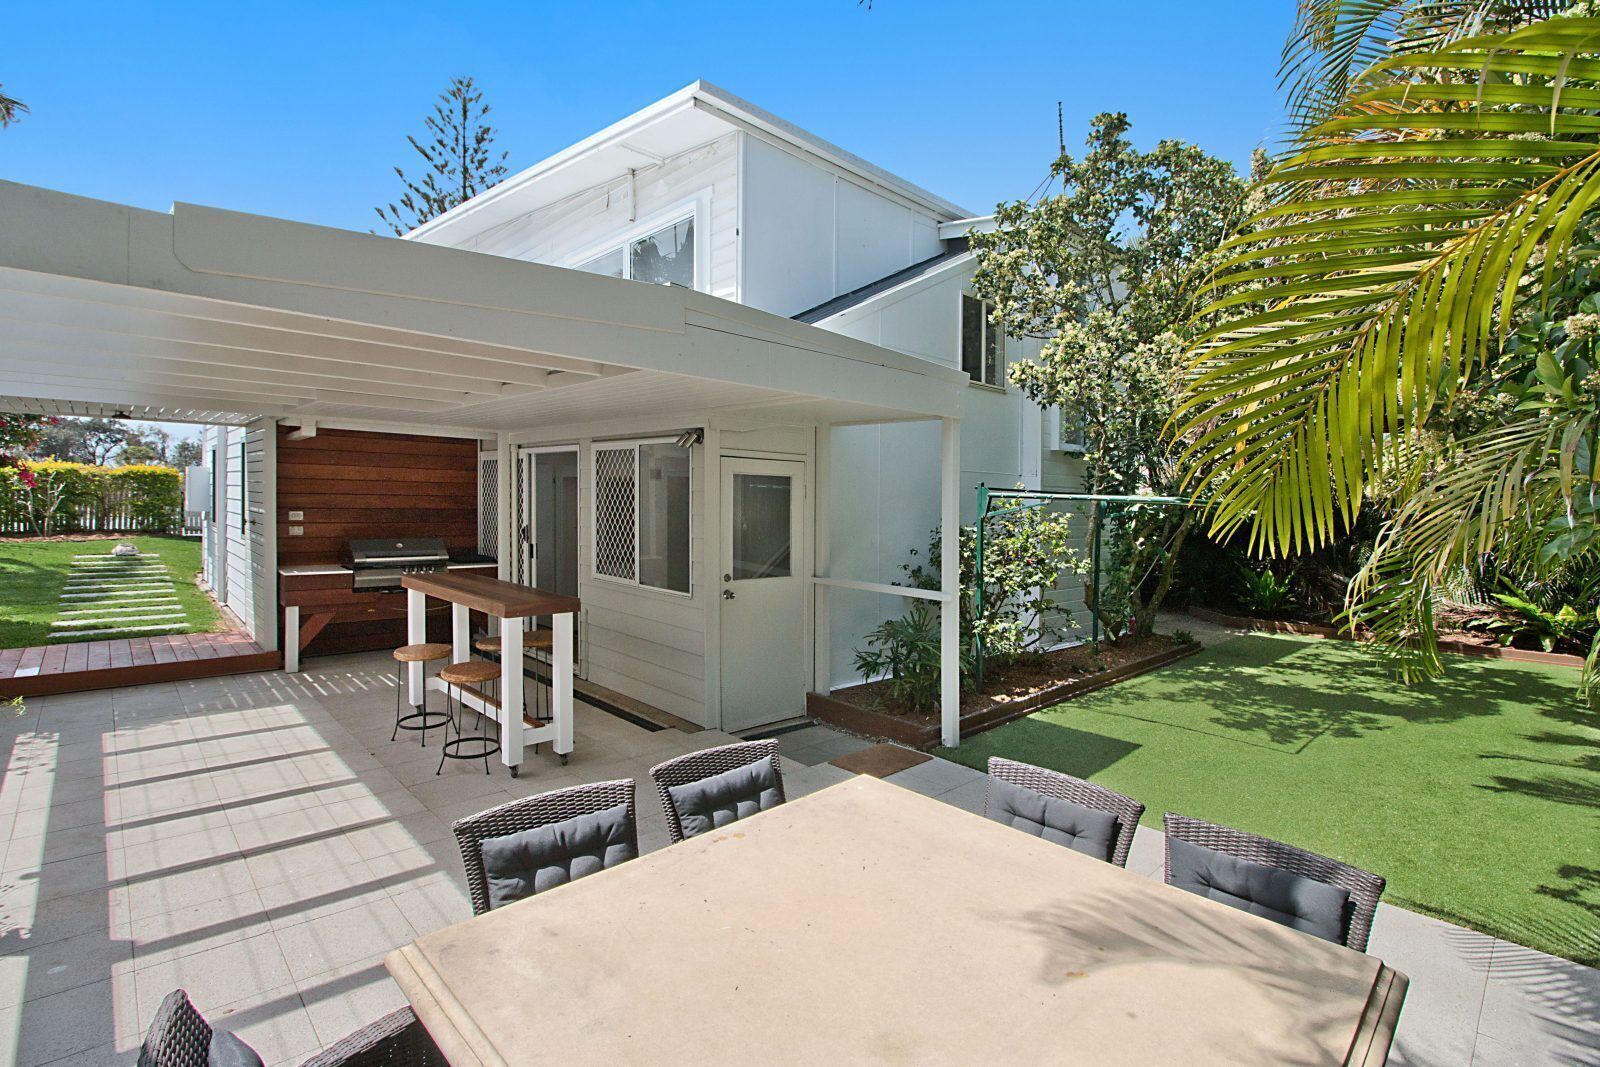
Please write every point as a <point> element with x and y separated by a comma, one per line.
<point>208,315</point>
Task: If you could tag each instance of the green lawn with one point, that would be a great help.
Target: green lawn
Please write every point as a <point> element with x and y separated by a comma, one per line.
<point>32,574</point>
<point>1477,796</point>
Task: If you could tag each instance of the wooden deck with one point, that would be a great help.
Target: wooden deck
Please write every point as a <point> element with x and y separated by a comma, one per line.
<point>84,665</point>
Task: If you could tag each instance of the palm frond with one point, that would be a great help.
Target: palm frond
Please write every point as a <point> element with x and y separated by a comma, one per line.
<point>1333,41</point>
<point>1384,273</point>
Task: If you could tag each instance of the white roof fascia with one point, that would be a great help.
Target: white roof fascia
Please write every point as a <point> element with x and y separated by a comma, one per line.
<point>906,288</point>
<point>709,99</point>
<point>448,308</point>
<point>963,227</point>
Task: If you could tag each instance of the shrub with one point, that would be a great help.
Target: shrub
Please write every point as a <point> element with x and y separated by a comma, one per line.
<point>1025,555</point>
<point>72,497</point>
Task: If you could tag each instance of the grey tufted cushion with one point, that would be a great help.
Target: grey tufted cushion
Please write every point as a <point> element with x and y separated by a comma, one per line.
<point>228,1051</point>
<point>1082,829</point>
<point>726,797</point>
<point>532,861</point>
<point>1291,899</point>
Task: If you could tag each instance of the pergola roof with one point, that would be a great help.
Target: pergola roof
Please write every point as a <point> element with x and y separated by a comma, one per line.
<point>214,316</point>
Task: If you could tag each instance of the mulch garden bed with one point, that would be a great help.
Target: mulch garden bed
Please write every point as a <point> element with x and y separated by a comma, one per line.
<point>1460,642</point>
<point>1009,692</point>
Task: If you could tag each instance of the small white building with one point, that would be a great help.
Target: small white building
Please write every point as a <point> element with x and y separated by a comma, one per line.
<point>729,466</point>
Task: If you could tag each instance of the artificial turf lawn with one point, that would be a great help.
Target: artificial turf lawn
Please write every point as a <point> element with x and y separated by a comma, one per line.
<point>1477,796</point>
<point>33,572</point>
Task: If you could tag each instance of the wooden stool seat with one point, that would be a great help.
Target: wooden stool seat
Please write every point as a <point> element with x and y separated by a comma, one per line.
<point>530,639</point>
<point>422,653</point>
<point>469,672</point>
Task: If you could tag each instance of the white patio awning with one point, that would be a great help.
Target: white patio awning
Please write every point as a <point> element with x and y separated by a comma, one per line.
<point>215,316</point>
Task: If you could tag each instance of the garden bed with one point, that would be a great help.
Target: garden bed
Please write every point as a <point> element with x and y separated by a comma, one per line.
<point>1460,642</point>
<point>1010,692</point>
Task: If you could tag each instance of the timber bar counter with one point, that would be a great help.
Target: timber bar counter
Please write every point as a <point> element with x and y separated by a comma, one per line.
<point>512,604</point>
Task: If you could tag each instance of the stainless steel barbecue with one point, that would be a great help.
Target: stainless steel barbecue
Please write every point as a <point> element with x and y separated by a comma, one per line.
<point>378,563</point>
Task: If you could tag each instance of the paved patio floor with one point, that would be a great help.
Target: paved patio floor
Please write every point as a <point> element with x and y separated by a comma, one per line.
<point>262,843</point>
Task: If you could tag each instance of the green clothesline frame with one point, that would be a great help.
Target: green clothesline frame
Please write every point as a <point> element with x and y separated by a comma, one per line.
<point>1038,498</point>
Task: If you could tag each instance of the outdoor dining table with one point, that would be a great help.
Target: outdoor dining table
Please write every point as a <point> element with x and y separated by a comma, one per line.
<point>511,604</point>
<point>867,923</point>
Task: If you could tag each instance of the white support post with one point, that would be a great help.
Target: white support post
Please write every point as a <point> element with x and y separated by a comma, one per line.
<point>508,540</point>
<point>950,581</point>
<point>416,634</point>
<point>510,692</point>
<point>822,650</point>
<point>460,633</point>
<point>561,680</point>
<point>291,639</point>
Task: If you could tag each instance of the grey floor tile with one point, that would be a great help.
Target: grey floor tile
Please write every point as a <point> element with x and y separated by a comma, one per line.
<point>1536,1001</point>
<point>71,1022</point>
<point>224,975</point>
<point>65,964</point>
<point>1448,968</point>
<point>333,941</point>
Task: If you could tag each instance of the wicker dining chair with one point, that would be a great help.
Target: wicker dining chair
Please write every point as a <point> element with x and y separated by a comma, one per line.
<point>1364,887</point>
<point>708,763</point>
<point>1060,786</point>
<point>179,1036</point>
<point>531,813</point>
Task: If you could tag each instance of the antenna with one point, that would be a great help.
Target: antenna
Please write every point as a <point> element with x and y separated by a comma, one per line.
<point>1061,132</point>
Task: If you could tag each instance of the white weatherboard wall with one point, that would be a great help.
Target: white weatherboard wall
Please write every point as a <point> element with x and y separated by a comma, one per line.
<point>647,643</point>
<point>809,234</point>
<point>243,549</point>
<point>704,179</point>
<point>884,493</point>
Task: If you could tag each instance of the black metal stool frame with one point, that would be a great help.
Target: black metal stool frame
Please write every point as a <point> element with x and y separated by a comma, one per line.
<point>452,748</point>
<point>430,719</point>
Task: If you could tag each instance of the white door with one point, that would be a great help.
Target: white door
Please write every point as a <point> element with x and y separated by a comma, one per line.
<point>548,528</point>
<point>762,595</point>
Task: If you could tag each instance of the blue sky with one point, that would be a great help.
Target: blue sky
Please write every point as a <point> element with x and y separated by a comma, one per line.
<point>301,110</point>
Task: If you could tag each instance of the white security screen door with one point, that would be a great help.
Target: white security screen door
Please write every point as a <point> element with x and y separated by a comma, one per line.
<point>762,592</point>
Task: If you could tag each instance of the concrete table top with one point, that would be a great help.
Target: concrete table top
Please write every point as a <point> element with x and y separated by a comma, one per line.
<point>868,923</point>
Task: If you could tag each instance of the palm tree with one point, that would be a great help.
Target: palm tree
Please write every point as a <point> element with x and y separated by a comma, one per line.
<point>1409,239</point>
<point>10,110</point>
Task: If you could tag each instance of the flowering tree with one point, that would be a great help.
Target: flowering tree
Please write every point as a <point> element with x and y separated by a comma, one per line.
<point>19,434</point>
<point>1102,273</point>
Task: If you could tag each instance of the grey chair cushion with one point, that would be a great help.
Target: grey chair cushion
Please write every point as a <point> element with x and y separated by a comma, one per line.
<point>1291,899</point>
<point>726,797</point>
<point>227,1050</point>
<point>1082,829</point>
<point>532,861</point>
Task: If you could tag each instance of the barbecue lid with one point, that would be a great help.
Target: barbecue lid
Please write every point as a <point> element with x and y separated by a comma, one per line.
<point>373,551</point>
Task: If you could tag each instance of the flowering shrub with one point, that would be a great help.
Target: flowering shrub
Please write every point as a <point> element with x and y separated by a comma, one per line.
<point>54,496</point>
<point>18,433</point>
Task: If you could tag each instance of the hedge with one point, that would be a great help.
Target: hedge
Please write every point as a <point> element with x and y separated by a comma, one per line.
<point>90,498</point>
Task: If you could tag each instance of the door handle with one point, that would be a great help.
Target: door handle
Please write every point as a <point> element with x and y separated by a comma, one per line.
<point>727,594</point>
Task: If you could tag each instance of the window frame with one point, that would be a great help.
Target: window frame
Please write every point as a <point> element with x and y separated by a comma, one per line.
<point>988,325</point>
<point>633,444</point>
<point>695,211</point>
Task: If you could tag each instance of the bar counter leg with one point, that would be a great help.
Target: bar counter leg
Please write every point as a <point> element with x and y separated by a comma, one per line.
<point>561,682</point>
<point>416,634</point>
<point>511,693</point>
<point>460,634</point>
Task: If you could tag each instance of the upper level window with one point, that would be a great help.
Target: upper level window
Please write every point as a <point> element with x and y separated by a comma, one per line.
<point>662,256</point>
<point>983,346</point>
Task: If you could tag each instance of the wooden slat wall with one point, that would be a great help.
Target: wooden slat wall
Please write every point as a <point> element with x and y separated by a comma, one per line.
<point>349,484</point>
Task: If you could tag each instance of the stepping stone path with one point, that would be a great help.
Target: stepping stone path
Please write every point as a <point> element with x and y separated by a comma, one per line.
<point>117,596</point>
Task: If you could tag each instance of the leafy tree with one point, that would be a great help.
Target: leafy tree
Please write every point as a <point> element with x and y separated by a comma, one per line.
<point>459,161</point>
<point>145,445</point>
<point>186,453</point>
<point>11,110</point>
<point>1102,273</point>
<point>1426,262</point>
<point>81,440</point>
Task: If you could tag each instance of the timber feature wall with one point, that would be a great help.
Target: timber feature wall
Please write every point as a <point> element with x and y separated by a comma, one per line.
<point>350,484</point>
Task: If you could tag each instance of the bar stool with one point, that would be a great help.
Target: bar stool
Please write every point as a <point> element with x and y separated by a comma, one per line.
<point>532,640</point>
<point>421,719</point>
<point>479,673</point>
